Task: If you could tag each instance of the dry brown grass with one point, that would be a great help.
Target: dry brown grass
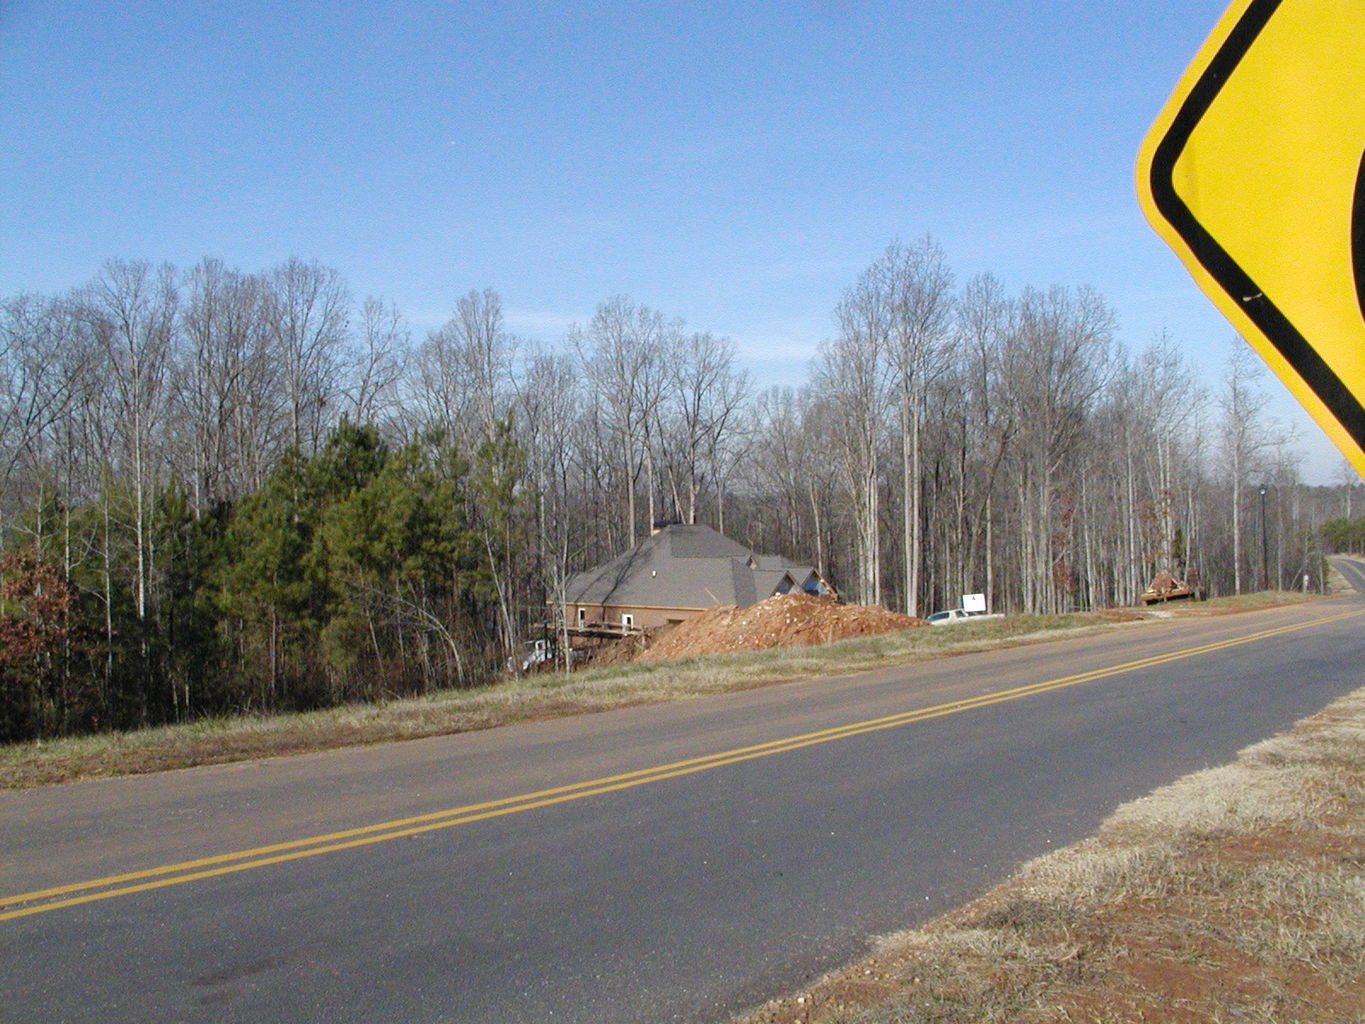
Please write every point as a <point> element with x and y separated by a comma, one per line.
<point>1235,894</point>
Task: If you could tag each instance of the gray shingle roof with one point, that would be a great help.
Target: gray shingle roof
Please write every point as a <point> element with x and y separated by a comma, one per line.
<point>683,567</point>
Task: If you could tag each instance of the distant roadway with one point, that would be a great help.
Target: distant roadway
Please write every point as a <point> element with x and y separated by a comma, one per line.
<point>1351,568</point>
<point>676,862</point>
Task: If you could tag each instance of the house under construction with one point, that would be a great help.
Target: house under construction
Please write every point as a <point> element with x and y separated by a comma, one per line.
<point>673,575</point>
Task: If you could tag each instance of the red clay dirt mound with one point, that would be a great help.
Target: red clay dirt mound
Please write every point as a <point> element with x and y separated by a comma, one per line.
<point>785,620</point>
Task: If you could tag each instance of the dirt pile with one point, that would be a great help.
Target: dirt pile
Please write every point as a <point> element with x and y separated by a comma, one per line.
<point>785,620</point>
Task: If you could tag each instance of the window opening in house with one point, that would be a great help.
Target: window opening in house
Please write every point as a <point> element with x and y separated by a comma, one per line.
<point>582,616</point>
<point>627,619</point>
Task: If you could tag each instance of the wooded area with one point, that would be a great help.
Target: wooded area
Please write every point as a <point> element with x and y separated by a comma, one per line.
<point>226,491</point>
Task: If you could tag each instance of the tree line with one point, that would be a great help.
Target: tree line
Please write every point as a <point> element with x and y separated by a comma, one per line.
<point>226,491</point>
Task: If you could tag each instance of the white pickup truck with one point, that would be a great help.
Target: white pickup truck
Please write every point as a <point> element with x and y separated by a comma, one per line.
<point>952,615</point>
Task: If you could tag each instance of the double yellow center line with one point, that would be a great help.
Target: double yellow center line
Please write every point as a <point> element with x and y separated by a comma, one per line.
<point>45,900</point>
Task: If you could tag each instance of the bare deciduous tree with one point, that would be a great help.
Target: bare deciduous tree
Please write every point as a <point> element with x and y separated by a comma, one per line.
<point>1244,435</point>
<point>131,308</point>
<point>916,286</point>
<point>850,375</point>
<point>229,388</point>
<point>549,406</point>
<point>464,370</point>
<point>381,351</point>
<point>309,313</point>
<point>706,394</point>
<point>620,356</point>
<point>1056,366</point>
<point>42,366</point>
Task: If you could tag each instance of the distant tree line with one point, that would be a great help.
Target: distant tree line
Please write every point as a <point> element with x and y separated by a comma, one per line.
<point>1344,535</point>
<point>225,491</point>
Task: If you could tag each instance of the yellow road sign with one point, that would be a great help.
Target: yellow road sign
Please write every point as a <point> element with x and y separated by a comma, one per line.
<point>1254,173</point>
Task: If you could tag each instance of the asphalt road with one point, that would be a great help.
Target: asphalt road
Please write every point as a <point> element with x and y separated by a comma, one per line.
<point>1351,568</point>
<point>668,863</point>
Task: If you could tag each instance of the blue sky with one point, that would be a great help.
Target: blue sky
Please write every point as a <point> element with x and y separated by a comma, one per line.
<point>733,164</point>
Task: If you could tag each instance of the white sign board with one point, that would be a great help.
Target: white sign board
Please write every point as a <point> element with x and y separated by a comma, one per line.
<point>973,602</point>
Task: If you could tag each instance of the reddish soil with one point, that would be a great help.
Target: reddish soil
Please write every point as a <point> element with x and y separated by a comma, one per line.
<point>786,620</point>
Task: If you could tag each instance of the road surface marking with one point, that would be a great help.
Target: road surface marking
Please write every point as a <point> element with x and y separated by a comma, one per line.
<point>58,897</point>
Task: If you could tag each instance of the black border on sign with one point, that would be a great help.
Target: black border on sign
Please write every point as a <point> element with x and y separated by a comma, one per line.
<point>1229,276</point>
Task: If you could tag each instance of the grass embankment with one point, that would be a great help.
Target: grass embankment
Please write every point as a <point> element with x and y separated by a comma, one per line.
<point>1236,894</point>
<point>217,741</point>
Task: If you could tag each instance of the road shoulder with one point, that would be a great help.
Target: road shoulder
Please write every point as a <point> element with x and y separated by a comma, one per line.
<point>1236,893</point>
